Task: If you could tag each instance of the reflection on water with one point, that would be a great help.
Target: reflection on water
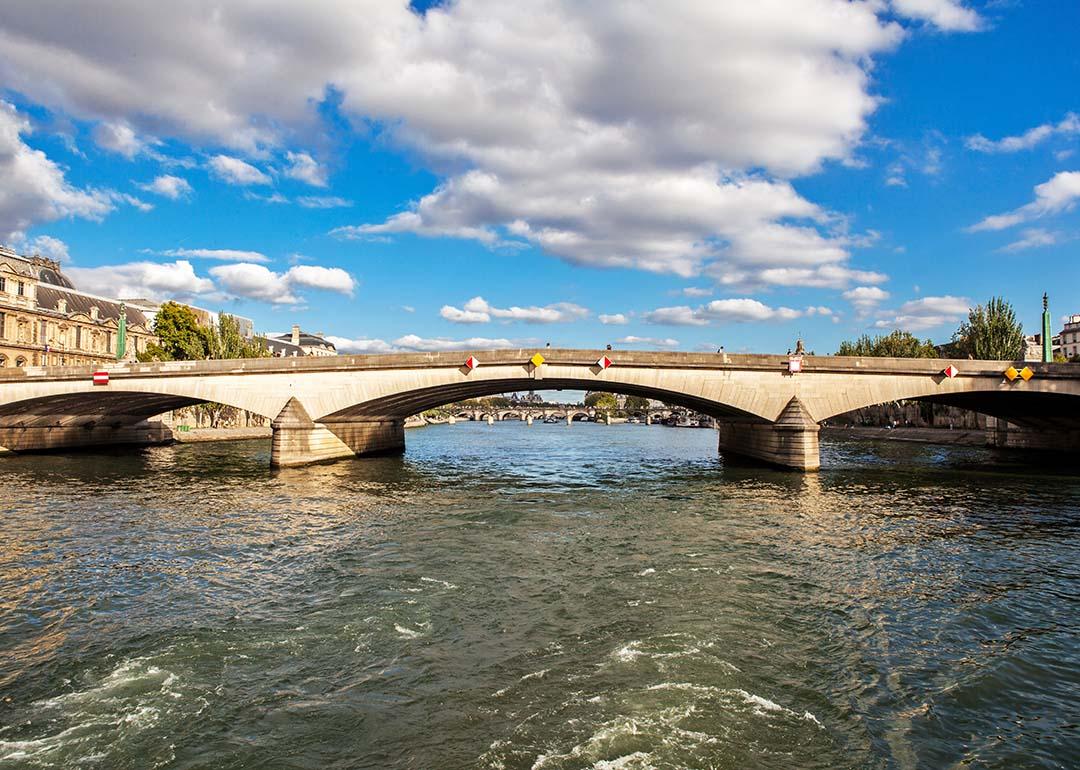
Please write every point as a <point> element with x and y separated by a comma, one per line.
<point>538,597</point>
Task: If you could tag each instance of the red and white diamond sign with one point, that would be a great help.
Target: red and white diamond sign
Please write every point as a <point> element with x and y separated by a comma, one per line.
<point>951,371</point>
<point>471,363</point>
<point>101,378</point>
<point>604,362</point>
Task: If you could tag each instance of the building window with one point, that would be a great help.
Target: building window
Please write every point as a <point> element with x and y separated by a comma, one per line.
<point>3,283</point>
<point>78,337</point>
<point>3,325</point>
<point>20,289</point>
<point>20,361</point>
<point>108,342</point>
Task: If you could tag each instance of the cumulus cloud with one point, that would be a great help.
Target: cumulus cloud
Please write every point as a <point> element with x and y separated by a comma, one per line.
<point>168,186</point>
<point>570,126</point>
<point>306,169</point>
<point>258,282</point>
<point>865,298</point>
<point>118,137</point>
<point>946,15</point>
<point>647,342</point>
<point>34,188</point>
<point>346,345</point>
<point>722,310</point>
<point>614,319</point>
<point>824,277</point>
<point>152,280</point>
<point>414,342</point>
<point>478,310</point>
<point>1053,196</point>
<point>926,313</point>
<point>225,255</point>
<point>1069,126</point>
<point>47,246</point>
<point>236,171</point>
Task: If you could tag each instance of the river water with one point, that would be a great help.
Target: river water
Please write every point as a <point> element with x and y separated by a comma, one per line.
<point>539,597</point>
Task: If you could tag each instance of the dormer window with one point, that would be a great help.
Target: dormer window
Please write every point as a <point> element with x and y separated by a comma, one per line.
<point>21,289</point>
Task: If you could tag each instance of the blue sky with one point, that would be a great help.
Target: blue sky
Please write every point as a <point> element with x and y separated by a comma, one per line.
<point>686,175</point>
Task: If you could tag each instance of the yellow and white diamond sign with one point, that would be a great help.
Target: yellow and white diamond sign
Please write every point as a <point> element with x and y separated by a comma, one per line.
<point>1026,373</point>
<point>1011,373</point>
<point>537,360</point>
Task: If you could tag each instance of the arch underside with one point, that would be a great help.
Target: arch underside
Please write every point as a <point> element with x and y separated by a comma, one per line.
<point>400,405</point>
<point>1029,409</point>
<point>94,409</point>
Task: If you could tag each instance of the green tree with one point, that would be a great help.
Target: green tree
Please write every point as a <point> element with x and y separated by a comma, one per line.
<point>991,332</point>
<point>637,404</point>
<point>896,344</point>
<point>602,401</point>
<point>226,341</point>
<point>180,337</point>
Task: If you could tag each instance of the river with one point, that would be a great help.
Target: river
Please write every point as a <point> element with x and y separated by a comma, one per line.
<point>542,597</point>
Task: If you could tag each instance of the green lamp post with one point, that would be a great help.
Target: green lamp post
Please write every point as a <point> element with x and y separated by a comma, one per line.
<point>1047,338</point>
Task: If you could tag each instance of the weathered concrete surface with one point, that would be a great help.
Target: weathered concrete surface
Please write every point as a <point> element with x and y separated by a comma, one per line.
<point>299,440</point>
<point>943,436</point>
<point>201,435</point>
<point>374,393</point>
<point>54,438</point>
<point>790,442</point>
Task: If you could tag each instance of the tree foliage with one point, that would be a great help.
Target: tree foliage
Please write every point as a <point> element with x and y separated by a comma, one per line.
<point>896,344</point>
<point>604,401</point>
<point>182,338</point>
<point>636,404</point>
<point>991,332</point>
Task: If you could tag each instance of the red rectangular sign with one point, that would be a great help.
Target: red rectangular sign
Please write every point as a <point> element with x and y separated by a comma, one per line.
<point>101,378</point>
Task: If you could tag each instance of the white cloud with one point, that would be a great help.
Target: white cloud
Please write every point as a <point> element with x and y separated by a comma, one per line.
<point>326,278</point>
<point>697,291</point>
<point>865,298</point>
<point>47,246</point>
<point>34,188</point>
<point>257,282</point>
<point>168,186</point>
<point>1053,196</point>
<point>306,169</point>
<point>408,308</point>
<point>926,313</point>
<point>614,319</point>
<point>323,202</point>
<point>363,345</point>
<point>571,126</point>
<point>1033,238</point>
<point>118,137</point>
<point>152,280</point>
<point>1069,126</point>
<point>226,255</point>
<point>649,342</point>
<point>478,310</point>
<point>414,342</point>
<point>947,15</point>
<point>721,310</point>
<point>236,171</point>
<point>824,277</point>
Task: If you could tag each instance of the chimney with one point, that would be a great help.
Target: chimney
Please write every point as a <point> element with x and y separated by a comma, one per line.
<point>296,334</point>
<point>93,312</point>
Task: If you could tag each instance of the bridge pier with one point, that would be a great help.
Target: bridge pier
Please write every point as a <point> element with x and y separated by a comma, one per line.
<point>1007,435</point>
<point>60,437</point>
<point>298,440</point>
<point>790,442</point>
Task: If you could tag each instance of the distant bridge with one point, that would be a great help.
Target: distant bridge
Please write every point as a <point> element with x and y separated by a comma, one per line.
<point>325,408</point>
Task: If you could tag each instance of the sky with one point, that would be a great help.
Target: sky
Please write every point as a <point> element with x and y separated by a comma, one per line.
<point>481,174</point>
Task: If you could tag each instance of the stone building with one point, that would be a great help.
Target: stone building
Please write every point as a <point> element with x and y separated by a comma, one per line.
<point>1070,337</point>
<point>46,321</point>
<point>298,343</point>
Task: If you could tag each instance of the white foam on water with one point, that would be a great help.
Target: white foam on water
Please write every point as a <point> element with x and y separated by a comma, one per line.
<point>647,571</point>
<point>535,674</point>
<point>639,760</point>
<point>443,583</point>
<point>765,707</point>
<point>409,633</point>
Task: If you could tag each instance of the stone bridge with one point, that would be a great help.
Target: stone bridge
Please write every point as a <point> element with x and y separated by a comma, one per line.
<point>326,408</point>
